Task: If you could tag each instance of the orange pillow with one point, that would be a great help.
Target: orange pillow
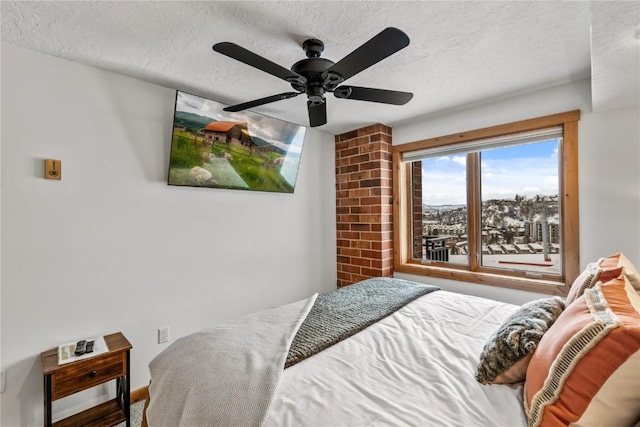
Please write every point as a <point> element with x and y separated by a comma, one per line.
<point>602,270</point>
<point>629,269</point>
<point>585,368</point>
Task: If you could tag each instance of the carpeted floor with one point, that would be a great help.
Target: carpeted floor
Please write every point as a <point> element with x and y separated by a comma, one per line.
<point>136,415</point>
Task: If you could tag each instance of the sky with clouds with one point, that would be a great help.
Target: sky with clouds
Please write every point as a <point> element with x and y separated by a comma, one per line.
<point>285,135</point>
<point>528,170</point>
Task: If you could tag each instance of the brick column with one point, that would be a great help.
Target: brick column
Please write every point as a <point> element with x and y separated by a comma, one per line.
<point>364,204</point>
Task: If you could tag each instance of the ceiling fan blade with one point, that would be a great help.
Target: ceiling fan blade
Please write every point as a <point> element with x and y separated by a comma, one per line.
<point>386,43</point>
<point>374,95</point>
<point>241,54</point>
<point>261,101</point>
<point>317,114</point>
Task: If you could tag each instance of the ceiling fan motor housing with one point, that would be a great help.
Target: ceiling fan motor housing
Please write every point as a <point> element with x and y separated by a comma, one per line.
<point>313,69</point>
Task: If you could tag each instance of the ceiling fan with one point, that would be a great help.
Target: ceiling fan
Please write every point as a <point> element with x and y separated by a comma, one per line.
<point>316,76</point>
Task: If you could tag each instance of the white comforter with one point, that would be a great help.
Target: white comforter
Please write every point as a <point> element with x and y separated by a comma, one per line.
<point>413,368</point>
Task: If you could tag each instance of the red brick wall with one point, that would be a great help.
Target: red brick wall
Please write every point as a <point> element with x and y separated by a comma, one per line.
<point>364,204</point>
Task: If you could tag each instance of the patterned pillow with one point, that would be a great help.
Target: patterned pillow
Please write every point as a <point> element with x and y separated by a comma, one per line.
<point>585,369</point>
<point>506,354</point>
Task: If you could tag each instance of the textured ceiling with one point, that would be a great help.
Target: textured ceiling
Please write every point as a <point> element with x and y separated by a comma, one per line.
<point>615,47</point>
<point>461,53</point>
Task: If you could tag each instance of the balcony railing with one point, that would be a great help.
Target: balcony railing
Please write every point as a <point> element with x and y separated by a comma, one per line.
<point>436,248</point>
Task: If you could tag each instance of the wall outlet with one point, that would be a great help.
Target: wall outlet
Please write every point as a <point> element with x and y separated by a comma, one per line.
<point>163,335</point>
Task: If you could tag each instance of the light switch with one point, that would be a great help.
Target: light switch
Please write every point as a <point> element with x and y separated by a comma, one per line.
<point>53,169</point>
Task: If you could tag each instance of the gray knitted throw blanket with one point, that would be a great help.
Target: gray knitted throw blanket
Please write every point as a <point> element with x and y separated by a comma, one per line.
<point>344,312</point>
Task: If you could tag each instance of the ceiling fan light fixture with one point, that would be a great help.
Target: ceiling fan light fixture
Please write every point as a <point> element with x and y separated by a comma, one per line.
<point>314,101</point>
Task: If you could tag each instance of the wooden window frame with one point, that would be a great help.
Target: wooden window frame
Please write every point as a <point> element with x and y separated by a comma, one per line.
<point>568,192</point>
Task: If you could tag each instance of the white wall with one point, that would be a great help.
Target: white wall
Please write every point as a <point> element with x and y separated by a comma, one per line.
<point>111,247</point>
<point>609,176</point>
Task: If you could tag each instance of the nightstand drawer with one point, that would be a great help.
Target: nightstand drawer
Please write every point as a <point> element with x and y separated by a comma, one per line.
<point>87,373</point>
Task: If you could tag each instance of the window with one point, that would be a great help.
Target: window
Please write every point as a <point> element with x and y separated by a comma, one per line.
<point>496,206</point>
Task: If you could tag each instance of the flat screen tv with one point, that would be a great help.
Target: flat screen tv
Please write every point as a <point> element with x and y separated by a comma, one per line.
<point>242,151</point>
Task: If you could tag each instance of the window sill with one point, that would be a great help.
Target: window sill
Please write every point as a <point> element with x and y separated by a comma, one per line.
<point>556,288</point>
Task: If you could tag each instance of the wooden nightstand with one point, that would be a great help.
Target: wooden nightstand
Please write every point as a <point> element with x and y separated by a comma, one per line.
<point>63,380</point>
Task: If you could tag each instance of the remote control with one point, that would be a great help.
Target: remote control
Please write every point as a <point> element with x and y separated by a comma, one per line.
<point>81,347</point>
<point>89,348</point>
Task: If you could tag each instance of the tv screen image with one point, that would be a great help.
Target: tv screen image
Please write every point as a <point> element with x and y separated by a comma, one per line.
<point>242,151</point>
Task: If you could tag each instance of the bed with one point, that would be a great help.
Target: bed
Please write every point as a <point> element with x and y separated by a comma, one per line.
<point>414,364</point>
<point>415,367</point>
